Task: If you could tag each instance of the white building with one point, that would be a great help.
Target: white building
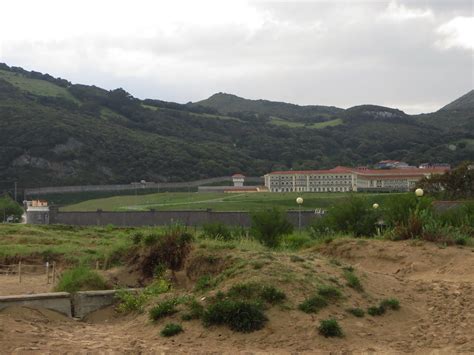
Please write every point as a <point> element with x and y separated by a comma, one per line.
<point>343,179</point>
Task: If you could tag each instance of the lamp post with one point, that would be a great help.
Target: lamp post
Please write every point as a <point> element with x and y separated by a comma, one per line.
<point>375,206</point>
<point>299,201</point>
<point>419,192</point>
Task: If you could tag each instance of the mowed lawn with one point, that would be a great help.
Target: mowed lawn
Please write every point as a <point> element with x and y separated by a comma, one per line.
<point>216,201</point>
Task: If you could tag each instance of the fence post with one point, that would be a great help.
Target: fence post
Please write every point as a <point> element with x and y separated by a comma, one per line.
<point>19,271</point>
<point>47,273</point>
<point>97,265</point>
<point>54,272</point>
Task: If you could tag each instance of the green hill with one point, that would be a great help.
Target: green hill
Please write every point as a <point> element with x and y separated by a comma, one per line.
<point>464,103</point>
<point>53,132</point>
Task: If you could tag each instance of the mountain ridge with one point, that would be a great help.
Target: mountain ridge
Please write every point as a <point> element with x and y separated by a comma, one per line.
<point>53,132</point>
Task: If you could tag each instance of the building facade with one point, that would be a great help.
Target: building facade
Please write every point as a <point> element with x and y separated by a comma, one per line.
<point>343,179</point>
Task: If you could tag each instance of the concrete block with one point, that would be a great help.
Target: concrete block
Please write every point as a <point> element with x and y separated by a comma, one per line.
<point>56,301</point>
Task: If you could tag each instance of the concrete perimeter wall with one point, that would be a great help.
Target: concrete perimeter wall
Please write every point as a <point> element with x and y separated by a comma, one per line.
<point>76,305</point>
<point>160,218</point>
<point>134,186</point>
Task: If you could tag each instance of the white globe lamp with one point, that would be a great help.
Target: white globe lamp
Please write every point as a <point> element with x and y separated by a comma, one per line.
<point>375,206</point>
<point>419,192</point>
<point>299,200</point>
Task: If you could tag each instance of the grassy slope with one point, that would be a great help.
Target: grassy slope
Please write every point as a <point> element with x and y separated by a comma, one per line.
<point>35,86</point>
<point>215,201</point>
<point>282,122</point>
<point>71,244</point>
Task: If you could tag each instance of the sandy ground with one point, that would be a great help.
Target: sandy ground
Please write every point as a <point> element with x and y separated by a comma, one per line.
<point>435,287</point>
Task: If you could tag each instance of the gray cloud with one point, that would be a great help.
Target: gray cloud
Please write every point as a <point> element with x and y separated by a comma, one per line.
<point>310,52</point>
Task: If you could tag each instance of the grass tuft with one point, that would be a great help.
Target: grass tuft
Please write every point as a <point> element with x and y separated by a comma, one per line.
<point>330,328</point>
<point>163,309</point>
<point>81,279</point>
<point>171,329</point>
<point>356,312</point>
<point>313,304</point>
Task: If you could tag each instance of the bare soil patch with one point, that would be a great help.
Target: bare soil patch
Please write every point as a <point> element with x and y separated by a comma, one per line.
<point>435,287</point>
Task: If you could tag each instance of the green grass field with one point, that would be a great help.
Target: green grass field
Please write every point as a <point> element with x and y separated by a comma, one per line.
<point>215,201</point>
<point>281,122</point>
<point>35,86</point>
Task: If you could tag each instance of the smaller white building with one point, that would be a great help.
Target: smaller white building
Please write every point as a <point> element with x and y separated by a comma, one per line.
<point>37,212</point>
<point>238,180</point>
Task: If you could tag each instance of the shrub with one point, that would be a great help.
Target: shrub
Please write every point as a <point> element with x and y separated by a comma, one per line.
<point>130,302</point>
<point>246,291</point>
<point>353,281</point>
<point>376,310</point>
<point>269,226</point>
<point>217,230</point>
<point>398,209</point>
<point>150,239</point>
<point>329,292</point>
<point>272,295</point>
<point>204,282</point>
<point>237,315</point>
<point>353,215</point>
<point>171,329</point>
<point>81,279</point>
<point>391,303</point>
<point>195,310</point>
<point>163,309</point>
<point>295,241</point>
<point>330,328</point>
<point>313,304</point>
<point>357,312</point>
<point>136,238</point>
<point>321,227</point>
<point>171,250</point>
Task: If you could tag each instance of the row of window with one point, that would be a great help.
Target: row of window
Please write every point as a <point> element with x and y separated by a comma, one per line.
<point>300,177</point>
<point>315,189</point>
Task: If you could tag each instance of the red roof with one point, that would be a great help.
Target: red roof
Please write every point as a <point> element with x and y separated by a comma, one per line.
<point>238,175</point>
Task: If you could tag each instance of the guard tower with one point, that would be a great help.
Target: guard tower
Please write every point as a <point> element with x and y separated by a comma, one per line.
<point>37,212</point>
<point>238,180</point>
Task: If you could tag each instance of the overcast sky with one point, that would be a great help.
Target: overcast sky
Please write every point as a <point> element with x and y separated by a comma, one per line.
<point>412,55</point>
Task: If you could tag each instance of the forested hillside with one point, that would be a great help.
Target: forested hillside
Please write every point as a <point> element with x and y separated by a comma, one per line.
<point>53,132</point>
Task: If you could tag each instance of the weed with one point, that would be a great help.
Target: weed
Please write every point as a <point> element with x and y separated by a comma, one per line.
<point>171,329</point>
<point>204,283</point>
<point>376,310</point>
<point>313,304</point>
<point>195,310</point>
<point>217,230</point>
<point>272,295</point>
<point>269,226</point>
<point>257,265</point>
<point>357,312</point>
<point>335,262</point>
<point>130,302</point>
<point>329,292</point>
<point>244,290</point>
<point>163,309</point>
<point>80,279</point>
<point>353,281</point>
<point>238,316</point>
<point>391,303</point>
<point>330,328</point>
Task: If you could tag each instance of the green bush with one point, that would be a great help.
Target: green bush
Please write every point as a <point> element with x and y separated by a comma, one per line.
<point>295,241</point>
<point>195,310</point>
<point>272,295</point>
<point>353,215</point>
<point>130,302</point>
<point>357,312</point>
<point>244,291</point>
<point>171,329</point>
<point>81,279</point>
<point>217,230</point>
<point>170,250</point>
<point>269,226</point>
<point>391,303</point>
<point>150,239</point>
<point>163,309</point>
<point>204,283</point>
<point>353,281</point>
<point>376,310</point>
<point>398,209</point>
<point>330,328</point>
<point>10,208</point>
<point>313,304</point>
<point>329,292</point>
<point>237,315</point>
